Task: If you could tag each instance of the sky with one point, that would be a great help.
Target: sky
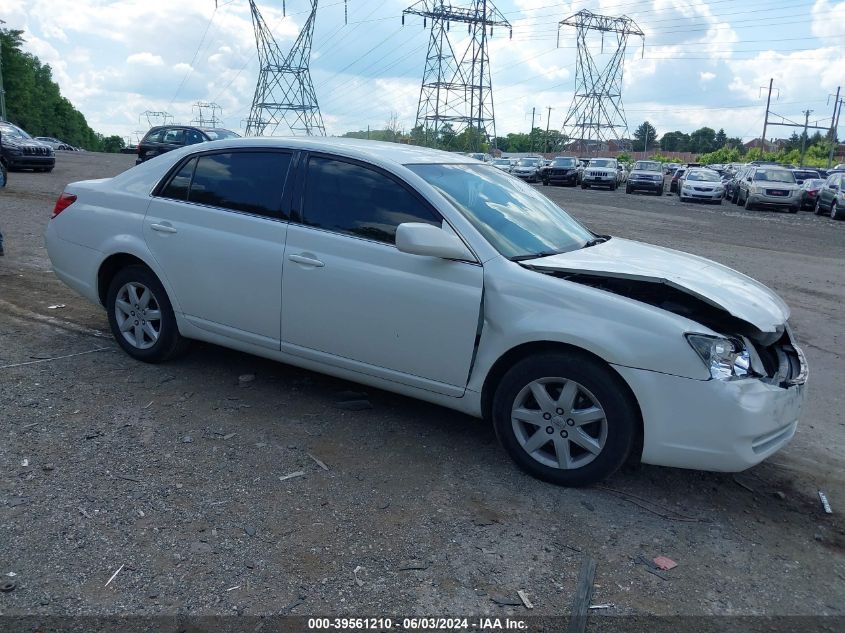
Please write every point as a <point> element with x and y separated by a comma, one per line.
<point>702,62</point>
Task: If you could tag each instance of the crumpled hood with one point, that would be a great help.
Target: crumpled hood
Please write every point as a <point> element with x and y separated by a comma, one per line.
<point>718,285</point>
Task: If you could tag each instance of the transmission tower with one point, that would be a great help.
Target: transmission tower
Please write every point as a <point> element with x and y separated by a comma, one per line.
<point>154,118</point>
<point>206,114</point>
<point>284,93</point>
<point>457,92</point>
<point>596,115</point>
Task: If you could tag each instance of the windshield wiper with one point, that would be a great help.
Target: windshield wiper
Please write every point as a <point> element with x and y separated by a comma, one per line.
<point>519,258</point>
<point>601,239</point>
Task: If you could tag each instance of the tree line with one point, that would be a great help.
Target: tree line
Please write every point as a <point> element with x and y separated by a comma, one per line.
<point>35,103</point>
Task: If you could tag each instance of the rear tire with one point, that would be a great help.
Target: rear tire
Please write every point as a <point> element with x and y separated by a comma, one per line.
<point>747,204</point>
<point>141,316</point>
<point>818,208</point>
<point>588,408</point>
<point>836,213</point>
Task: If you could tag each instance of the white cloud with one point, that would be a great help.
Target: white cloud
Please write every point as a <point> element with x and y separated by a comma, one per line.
<point>145,59</point>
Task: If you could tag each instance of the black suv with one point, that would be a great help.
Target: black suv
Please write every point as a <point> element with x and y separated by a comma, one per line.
<point>20,151</point>
<point>164,138</point>
<point>563,170</point>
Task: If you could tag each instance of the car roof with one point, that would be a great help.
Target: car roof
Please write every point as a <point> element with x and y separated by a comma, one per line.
<point>362,149</point>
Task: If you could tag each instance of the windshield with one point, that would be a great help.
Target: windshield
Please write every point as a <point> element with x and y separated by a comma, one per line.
<point>564,162</point>
<point>813,183</point>
<point>528,162</point>
<point>10,131</point>
<point>803,175</point>
<point>647,165</point>
<point>603,162</point>
<point>774,175</point>
<point>700,174</point>
<point>514,217</point>
<point>216,135</point>
<point>501,161</point>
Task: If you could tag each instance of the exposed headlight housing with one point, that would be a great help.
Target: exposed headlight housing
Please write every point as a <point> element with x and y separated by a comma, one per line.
<point>726,359</point>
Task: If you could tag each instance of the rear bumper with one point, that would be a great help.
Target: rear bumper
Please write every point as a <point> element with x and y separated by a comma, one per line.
<point>712,424</point>
<point>74,264</point>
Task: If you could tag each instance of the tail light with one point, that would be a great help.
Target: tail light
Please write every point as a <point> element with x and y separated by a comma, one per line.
<point>64,201</point>
<point>138,149</point>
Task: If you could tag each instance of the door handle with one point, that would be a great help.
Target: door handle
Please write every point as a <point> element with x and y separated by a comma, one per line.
<point>163,228</point>
<point>305,260</point>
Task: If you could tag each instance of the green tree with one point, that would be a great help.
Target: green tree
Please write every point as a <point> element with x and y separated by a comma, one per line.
<point>721,138</point>
<point>675,142</point>
<point>645,137</point>
<point>703,140</point>
<point>34,101</point>
<point>113,144</point>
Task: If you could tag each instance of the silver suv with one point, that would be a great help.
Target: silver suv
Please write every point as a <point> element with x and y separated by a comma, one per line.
<point>769,186</point>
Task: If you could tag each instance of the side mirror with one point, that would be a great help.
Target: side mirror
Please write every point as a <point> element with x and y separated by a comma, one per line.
<point>834,187</point>
<point>418,238</point>
<point>748,179</point>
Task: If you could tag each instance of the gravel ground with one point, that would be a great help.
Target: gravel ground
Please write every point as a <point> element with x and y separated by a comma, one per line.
<point>175,474</point>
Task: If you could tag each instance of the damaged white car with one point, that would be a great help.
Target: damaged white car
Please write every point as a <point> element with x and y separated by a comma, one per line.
<point>444,279</point>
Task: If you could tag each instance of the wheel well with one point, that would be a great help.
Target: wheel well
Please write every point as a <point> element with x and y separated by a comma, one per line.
<point>513,356</point>
<point>110,267</point>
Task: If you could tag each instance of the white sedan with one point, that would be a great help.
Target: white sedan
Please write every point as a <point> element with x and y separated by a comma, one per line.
<point>441,278</point>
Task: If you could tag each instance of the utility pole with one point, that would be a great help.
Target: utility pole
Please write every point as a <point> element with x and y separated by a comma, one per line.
<point>531,131</point>
<point>834,125</point>
<point>807,114</point>
<point>766,118</point>
<point>2,88</point>
<point>548,119</point>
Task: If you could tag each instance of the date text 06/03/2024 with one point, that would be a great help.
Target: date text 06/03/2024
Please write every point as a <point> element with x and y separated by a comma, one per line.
<point>481,624</point>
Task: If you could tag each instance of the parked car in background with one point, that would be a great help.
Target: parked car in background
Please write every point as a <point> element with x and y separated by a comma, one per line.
<point>769,186</point>
<point>803,174</point>
<point>810,192</point>
<point>484,158</point>
<point>647,175</point>
<point>18,150</point>
<point>581,349</point>
<point>703,184</point>
<point>676,177</point>
<point>502,163</point>
<point>601,172</point>
<point>528,169</point>
<point>165,138</point>
<point>55,143</point>
<point>732,185</point>
<point>563,170</point>
<point>831,197</point>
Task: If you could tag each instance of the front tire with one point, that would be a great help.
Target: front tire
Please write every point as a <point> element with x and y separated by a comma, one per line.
<point>818,209</point>
<point>592,417</point>
<point>141,316</point>
<point>747,204</point>
<point>836,213</point>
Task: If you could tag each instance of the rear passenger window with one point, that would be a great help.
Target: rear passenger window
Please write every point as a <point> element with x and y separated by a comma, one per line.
<point>349,198</point>
<point>252,182</point>
<point>192,137</point>
<point>177,188</point>
<point>153,137</point>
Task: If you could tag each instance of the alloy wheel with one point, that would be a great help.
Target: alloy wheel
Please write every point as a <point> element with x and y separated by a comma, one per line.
<point>138,315</point>
<point>559,423</point>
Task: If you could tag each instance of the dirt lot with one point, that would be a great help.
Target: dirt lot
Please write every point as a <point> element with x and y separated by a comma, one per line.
<point>173,471</point>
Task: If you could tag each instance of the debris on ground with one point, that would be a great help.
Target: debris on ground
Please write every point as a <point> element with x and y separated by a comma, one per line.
<point>779,495</point>
<point>8,585</point>
<point>738,482</point>
<point>355,571</point>
<point>413,565</point>
<point>56,306</point>
<point>293,475</point>
<point>229,436</point>
<point>319,462</point>
<point>651,567</point>
<point>233,588</point>
<point>148,405</point>
<point>506,601</point>
<point>583,596</point>
<point>24,462</point>
<point>48,467</point>
<point>665,563</point>
<point>608,605</point>
<point>354,405</point>
<point>250,530</point>
<point>187,439</point>
<point>522,596</point>
<point>825,503</point>
<point>113,576</point>
<point>245,379</point>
